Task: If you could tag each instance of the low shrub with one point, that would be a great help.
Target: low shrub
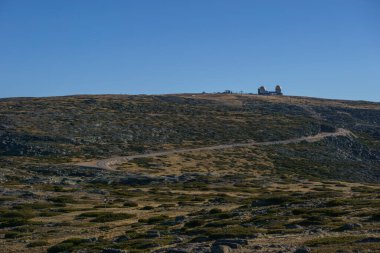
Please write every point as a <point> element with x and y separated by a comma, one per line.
<point>63,199</point>
<point>375,217</point>
<point>12,235</point>
<point>108,217</point>
<point>278,200</point>
<point>147,208</point>
<point>105,216</point>
<point>332,240</point>
<point>13,222</point>
<point>156,219</point>
<point>38,243</point>
<point>194,223</point>
<point>61,247</point>
<point>215,210</point>
<point>68,245</point>
<point>130,204</point>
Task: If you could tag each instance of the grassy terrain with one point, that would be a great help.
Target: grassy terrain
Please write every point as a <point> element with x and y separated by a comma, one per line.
<point>322,195</point>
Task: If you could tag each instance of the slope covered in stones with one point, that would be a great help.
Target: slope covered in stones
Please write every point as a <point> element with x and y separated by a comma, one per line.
<point>88,127</point>
<point>320,196</point>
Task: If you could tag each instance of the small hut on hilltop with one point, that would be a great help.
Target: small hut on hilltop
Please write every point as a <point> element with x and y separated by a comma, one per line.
<point>263,91</point>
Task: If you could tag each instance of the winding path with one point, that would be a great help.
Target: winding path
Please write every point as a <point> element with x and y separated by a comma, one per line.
<point>108,163</point>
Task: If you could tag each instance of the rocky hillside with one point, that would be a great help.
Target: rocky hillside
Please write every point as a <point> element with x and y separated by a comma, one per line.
<point>88,127</point>
<point>319,194</point>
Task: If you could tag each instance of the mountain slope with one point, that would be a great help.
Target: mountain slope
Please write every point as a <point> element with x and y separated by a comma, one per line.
<point>189,173</point>
<point>88,127</point>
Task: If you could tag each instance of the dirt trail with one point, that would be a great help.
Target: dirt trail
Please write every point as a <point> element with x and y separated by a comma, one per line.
<point>108,163</point>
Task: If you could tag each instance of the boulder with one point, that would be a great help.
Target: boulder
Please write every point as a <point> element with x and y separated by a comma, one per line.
<point>153,234</point>
<point>303,249</point>
<point>228,245</point>
<point>220,249</point>
<point>232,243</point>
<point>175,250</point>
<point>112,250</point>
<point>370,240</point>
<point>122,238</point>
<point>136,180</point>
<point>293,226</point>
<point>179,219</point>
<point>350,226</point>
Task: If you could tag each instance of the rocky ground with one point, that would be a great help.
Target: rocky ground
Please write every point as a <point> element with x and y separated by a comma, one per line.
<point>290,197</point>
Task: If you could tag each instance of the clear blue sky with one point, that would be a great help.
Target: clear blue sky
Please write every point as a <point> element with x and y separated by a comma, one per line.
<point>321,48</point>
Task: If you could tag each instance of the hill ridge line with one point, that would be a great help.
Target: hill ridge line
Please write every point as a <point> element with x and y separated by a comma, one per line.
<point>109,162</point>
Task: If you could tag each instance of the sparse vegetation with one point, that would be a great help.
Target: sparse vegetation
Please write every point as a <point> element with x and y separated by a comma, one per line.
<point>105,216</point>
<point>323,194</point>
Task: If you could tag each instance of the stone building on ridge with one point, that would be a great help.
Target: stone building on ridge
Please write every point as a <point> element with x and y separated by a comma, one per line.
<point>263,91</point>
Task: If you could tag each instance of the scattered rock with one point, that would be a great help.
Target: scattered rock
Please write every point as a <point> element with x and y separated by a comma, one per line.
<point>112,250</point>
<point>92,239</point>
<point>294,226</point>
<point>232,243</point>
<point>369,240</point>
<point>135,180</point>
<point>200,249</point>
<point>174,250</point>
<point>153,234</point>
<point>218,200</point>
<point>200,239</point>
<point>101,180</point>
<point>250,224</point>
<point>150,245</point>
<point>316,231</point>
<point>122,238</point>
<point>220,249</point>
<point>178,239</point>
<point>303,249</point>
<point>350,226</point>
<point>179,219</point>
<point>226,245</point>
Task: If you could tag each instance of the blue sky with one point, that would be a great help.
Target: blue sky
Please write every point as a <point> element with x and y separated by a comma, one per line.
<point>321,48</point>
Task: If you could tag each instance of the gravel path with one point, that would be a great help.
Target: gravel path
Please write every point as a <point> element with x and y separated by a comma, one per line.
<point>108,163</point>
